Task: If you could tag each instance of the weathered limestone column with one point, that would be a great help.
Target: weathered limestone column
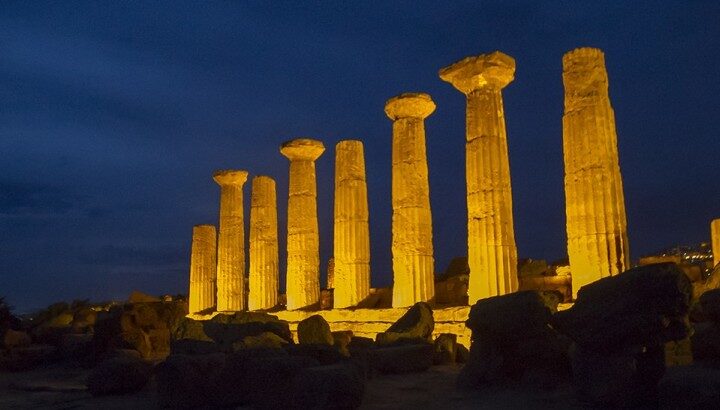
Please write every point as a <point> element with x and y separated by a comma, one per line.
<point>203,258</point>
<point>492,253</point>
<point>231,241</point>
<point>595,204</point>
<point>351,272</point>
<point>412,247</point>
<point>303,242</point>
<point>715,235</point>
<point>263,245</point>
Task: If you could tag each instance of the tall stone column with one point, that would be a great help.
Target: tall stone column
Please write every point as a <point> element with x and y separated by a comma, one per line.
<point>715,235</point>
<point>203,259</point>
<point>594,199</point>
<point>231,241</point>
<point>303,242</point>
<point>352,234</point>
<point>412,247</point>
<point>492,254</point>
<point>263,245</point>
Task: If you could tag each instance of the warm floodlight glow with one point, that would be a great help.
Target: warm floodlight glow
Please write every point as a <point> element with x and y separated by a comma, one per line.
<point>352,234</point>
<point>303,242</point>
<point>263,245</point>
<point>202,268</point>
<point>231,241</point>
<point>492,253</point>
<point>715,236</point>
<point>595,204</point>
<point>412,247</point>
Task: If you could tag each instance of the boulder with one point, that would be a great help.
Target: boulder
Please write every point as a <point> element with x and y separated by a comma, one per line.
<point>399,359</point>
<point>28,357</point>
<point>15,338</point>
<point>120,375</point>
<point>341,341</point>
<point>710,304</point>
<point>265,340</point>
<point>185,381</point>
<point>511,338</point>
<point>227,329</point>
<point>84,320</point>
<point>444,347</point>
<point>337,386</point>
<point>321,352</point>
<point>314,330</point>
<point>76,346</point>
<point>194,347</point>
<point>416,323</point>
<point>705,343</point>
<point>690,387</point>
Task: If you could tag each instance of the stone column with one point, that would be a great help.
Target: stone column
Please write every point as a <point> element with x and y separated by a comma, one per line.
<point>715,235</point>
<point>492,254</point>
<point>412,247</point>
<point>303,242</point>
<point>594,200</point>
<point>231,241</point>
<point>351,272</point>
<point>263,245</point>
<point>203,259</point>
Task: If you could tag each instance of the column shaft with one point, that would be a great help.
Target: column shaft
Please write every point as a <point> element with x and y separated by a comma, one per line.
<point>595,204</point>
<point>263,245</point>
<point>715,236</point>
<point>231,242</point>
<point>202,268</point>
<point>351,231</point>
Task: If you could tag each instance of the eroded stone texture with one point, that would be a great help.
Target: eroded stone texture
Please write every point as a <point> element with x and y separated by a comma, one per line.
<point>351,271</point>
<point>715,235</point>
<point>303,242</point>
<point>412,247</point>
<point>231,241</point>
<point>492,254</point>
<point>203,272</point>
<point>595,204</point>
<point>263,245</point>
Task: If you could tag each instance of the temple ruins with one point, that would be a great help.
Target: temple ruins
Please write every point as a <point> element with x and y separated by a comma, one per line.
<point>594,199</point>
<point>203,269</point>
<point>303,242</point>
<point>264,268</point>
<point>596,223</point>
<point>492,254</point>
<point>715,239</point>
<point>351,246</point>
<point>412,247</point>
<point>231,241</point>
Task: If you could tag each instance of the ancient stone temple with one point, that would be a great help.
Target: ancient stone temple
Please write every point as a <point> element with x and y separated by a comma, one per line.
<point>231,241</point>
<point>715,237</point>
<point>412,247</point>
<point>351,270</point>
<point>203,263</point>
<point>492,254</point>
<point>595,204</point>
<point>303,242</point>
<point>263,275</point>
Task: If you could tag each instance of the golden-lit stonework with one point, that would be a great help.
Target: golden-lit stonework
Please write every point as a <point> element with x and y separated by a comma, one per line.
<point>303,242</point>
<point>595,204</point>
<point>263,275</point>
<point>492,254</point>
<point>203,265</point>
<point>231,241</point>
<point>352,233</point>
<point>412,247</point>
<point>715,235</point>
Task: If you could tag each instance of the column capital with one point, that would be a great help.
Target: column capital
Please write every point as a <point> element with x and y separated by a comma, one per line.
<point>495,69</point>
<point>302,149</point>
<point>409,105</point>
<point>230,177</point>
<point>584,69</point>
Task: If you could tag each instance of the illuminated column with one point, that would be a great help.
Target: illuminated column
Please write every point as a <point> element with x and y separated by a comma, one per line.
<point>492,254</point>
<point>412,248</point>
<point>263,245</point>
<point>303,247</point>
<point>231,241</point>
<point>715,234</point>
<point>594,200</point>
<point>202,268</point>
<point>351,272</point>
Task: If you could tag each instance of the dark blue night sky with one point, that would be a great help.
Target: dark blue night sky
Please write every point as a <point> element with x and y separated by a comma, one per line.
<point>113,116</point>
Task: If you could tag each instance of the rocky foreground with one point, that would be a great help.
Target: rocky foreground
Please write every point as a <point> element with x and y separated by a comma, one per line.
<point>638,339</point>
